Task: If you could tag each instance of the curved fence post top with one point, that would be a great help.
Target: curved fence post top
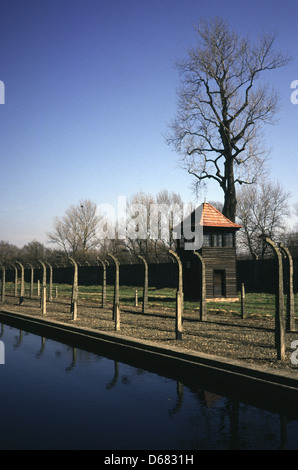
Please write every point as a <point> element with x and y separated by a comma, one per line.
<point>285,250</point>
<point>180,282</point>
<point>103,262</point>
<point>113,258</point>
<point>143,259</point>
<point>172,253</point>
<point>272,244</point>
<point>198,255</point>
<point>42,263</point>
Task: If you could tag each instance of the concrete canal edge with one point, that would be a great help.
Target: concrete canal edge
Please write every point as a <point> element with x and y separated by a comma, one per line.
<point>275,390</point>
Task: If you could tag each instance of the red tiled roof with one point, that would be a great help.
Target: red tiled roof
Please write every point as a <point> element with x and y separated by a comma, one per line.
<point>213,218</point>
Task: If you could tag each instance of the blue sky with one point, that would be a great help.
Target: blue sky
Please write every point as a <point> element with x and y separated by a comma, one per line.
<point>90,87</point>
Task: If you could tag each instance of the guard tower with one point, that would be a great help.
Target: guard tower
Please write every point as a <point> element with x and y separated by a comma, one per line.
<point>218,250</point>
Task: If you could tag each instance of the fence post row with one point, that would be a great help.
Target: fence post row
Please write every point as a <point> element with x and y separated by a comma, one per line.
<point>282,322</point>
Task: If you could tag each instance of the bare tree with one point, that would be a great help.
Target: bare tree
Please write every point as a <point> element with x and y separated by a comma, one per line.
<point>138,240</point>
<point>35,251</point>
<point>75,232</point>
<point>262,210</point>
<point>217,204</point>
<point>150,223</point>
<point>8,252</point>
<point>222,108</point>
<point>172,212</point>
<point>291,239</point>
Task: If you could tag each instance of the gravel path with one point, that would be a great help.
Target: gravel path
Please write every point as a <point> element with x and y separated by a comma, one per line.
<point>250,340</point>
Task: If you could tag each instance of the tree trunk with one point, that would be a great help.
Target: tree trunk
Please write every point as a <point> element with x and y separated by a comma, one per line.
<point>230,201</point>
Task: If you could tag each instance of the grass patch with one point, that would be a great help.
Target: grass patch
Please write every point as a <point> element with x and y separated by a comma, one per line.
<point>256,304</point>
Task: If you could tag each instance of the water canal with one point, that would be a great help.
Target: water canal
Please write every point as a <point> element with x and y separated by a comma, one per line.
<point>55,396</point>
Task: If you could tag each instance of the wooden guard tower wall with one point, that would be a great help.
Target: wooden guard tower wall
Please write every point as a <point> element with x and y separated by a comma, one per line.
<point>219,254</point>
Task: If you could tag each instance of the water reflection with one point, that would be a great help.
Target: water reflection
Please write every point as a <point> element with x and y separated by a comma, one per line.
<point>73,361</point>
<point>43,344</point>
<point>19,340</point>
<point>179,401</point>
<point>60,397</point>
<point>115,378</point>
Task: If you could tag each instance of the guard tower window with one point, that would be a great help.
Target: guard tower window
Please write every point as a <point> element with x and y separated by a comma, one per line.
<point>207,239</point>
<point>228,239</point>
<point>217,239</point>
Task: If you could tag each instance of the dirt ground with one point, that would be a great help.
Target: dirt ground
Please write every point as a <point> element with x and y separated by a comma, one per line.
<point>224,335</point>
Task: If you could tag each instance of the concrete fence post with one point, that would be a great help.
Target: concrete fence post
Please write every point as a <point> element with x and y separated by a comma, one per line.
<point>117,317</point>
<point>242,301</point>
<point>279,310</point>
<point>43,302</point>
<point>15,280</point>
<point>116,304</point>
<point>203,308</point>
<point>290,315</point>
<point>104,284</point>
<point>50,283</point>
<point>179,298</point>
<point>22,287</point>
<point>145,287</point>
<point>3,284</point>
<point>75,289</point>
<point>31,280</point>
<point>136,298</point>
